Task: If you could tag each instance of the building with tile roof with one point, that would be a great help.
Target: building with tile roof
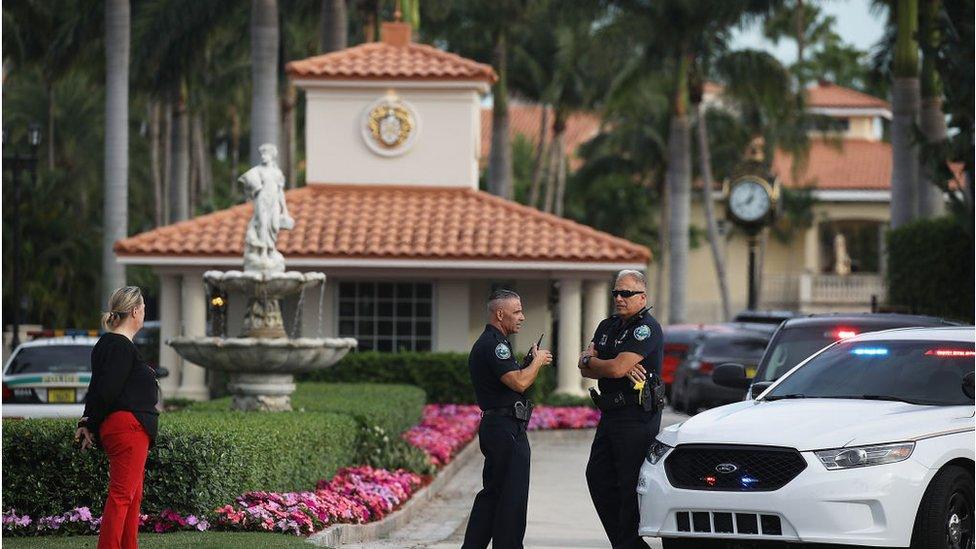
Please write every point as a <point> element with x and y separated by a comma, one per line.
<point>393,215</point>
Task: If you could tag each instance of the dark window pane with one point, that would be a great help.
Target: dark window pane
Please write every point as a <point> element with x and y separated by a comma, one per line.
<point>384,345</point>
<point>365,308</point>
<point>404,290</point>
<point>423,327</point>
<point>423,345</point>
<point>366,289</point>
<point>365,327</point>
<point>347,289</point>
<point>347,328</point>
<point>404,327</point>
<point>423,310</point>
<point>365,344</point>
<point>404,344</point>
<point>347,308</point>
<point>404,309</point>
<point>384,289</point>
<point>384,308</point>
<point>424,291</point>
<point>384,327</point>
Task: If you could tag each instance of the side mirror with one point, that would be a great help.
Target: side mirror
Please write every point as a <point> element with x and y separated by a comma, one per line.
<point>161,372</point>
<point>967,384</point>
<point>731,375</point>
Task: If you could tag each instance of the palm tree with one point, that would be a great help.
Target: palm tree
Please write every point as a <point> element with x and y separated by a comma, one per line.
<point>264,76</point>
<point>116,197</point>
<point>333,26</point>
<point>904,106</point>
<point>932,122</point>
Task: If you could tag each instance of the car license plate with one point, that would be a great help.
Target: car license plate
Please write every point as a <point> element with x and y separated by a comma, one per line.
<point>61,396</point>
<point>751,372</point>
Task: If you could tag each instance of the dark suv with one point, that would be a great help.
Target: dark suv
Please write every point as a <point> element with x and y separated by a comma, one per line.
<point>798,338</point>
<point>693,386</point>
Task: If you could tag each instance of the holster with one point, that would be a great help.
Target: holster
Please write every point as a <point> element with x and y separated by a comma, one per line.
<point>652,395</point>
<point>523,411</point>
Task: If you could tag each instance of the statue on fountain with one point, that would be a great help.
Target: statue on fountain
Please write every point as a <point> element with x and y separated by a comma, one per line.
<point>264,185</point>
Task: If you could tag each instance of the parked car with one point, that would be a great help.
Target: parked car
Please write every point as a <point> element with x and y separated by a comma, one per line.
<point>798,338</point>
<point>763,317</point>
<point>677,341</point>
<point>869,442</point>
<point>48,377</point>
<point>693,387</point>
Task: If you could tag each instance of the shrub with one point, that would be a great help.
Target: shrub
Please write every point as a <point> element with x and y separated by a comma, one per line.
<point>443,376</point>
<point>200,460</point>
<point>930,268</point>
<point>379,449</point>
<point>394,408</point>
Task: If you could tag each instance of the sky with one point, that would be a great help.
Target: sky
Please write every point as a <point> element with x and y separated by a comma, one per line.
<point>855,24</point>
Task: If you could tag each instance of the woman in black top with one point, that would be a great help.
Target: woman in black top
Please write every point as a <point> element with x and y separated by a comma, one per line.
<point>120,415</point>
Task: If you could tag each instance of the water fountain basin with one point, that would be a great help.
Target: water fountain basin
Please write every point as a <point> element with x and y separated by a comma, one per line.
<point>263,284</point>
<point>253,355</point>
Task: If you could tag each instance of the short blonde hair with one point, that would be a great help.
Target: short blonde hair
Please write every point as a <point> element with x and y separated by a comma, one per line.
<point>123,301</point>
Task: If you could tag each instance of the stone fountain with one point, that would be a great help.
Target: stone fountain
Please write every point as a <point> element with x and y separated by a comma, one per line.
<point>261,363</point>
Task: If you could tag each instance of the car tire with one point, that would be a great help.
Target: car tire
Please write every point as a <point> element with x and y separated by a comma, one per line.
<point>689,406</point>
<point>676,397</point>
<point>945,516</point>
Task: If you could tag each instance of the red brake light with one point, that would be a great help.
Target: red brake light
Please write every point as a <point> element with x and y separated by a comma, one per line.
<point>706,367</point>
<point>844,333</point>
<point>711,481</point>
<point>8,395</point>
<point>950,353</point>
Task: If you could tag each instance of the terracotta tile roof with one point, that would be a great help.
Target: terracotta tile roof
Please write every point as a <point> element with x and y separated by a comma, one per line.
<point>829,95</point>
<point>524,119</point>
<point>395,58</point>
<point>395,222</point>
<point>856,165</point>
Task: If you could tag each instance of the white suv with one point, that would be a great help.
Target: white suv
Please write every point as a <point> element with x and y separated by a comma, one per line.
<point>48,378</point>
<point>868,442</point>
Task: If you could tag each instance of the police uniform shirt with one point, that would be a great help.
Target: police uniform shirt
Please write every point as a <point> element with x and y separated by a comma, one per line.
<point>640,334</point>
<point>490,359</point>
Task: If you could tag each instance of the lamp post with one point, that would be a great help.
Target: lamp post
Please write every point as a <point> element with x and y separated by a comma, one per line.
<point>19,163</point>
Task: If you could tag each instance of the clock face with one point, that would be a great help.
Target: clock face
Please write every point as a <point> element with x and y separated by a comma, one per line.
<point>749,200</point>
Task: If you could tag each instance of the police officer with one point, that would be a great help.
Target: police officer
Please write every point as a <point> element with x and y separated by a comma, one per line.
<point>498,514</point>
<point>624,349</point>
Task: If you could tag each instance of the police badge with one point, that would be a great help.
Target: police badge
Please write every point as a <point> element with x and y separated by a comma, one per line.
<point>503,352</point>
<point>642,332</point>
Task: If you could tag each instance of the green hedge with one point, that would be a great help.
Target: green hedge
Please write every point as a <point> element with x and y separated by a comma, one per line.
<point>394,408</point>
<point>201,460</point>
<point>443,376</point>
<point>930,269</point>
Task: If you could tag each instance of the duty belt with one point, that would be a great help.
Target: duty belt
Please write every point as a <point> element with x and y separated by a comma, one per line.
<point>520,410</point>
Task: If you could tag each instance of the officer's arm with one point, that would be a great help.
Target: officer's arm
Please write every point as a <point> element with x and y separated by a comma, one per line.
<point>520,380</point>
<point>617,366</point>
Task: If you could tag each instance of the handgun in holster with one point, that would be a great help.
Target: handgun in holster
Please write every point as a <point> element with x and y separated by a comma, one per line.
<point>523,411</point>
<point>652,395</point>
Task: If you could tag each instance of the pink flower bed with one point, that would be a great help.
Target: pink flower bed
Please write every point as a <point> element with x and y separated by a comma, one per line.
<point>354,495</point>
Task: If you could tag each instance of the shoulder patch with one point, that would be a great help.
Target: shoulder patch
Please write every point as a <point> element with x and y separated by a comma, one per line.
<point>642,332</point>
<point>503,352</point>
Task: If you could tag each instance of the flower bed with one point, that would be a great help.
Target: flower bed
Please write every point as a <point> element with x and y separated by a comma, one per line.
<point>354,495</point>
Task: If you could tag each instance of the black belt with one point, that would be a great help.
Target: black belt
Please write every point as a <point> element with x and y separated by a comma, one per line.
<point>615,400</point>
<point>520,410</point>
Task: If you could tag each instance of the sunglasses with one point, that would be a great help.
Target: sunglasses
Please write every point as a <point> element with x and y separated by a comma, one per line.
<point>625,293</point>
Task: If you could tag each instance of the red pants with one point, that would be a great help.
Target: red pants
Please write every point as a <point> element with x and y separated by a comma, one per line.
<point>127,445</point>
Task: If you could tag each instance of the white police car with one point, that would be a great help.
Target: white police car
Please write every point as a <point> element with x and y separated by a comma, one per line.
<point>868,442</point>
<point>48,377</point>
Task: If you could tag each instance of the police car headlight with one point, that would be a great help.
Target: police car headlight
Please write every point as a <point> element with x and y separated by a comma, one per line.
<point>865,456</point>
<point>657,451</point>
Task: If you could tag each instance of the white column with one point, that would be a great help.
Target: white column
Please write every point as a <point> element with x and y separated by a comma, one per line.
<point>194,307</point>
<point>596,296</point>
<point>452,316</point>
<point>169,327</point>
<point>570,343</point>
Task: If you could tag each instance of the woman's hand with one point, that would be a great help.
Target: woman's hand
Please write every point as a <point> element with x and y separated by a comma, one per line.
<point>83,435</point>
<point>637,374</point>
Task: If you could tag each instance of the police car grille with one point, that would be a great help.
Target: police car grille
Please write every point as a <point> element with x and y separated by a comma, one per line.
<point>730,468</point>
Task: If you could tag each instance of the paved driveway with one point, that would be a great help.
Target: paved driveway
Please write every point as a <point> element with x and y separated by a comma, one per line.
<point>560,512</point>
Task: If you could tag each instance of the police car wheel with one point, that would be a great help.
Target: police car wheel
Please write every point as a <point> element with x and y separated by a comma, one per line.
<point>945,516</point>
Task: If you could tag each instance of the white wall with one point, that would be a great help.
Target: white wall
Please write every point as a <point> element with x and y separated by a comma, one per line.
<point>452,316</point>
<point>445,152</point>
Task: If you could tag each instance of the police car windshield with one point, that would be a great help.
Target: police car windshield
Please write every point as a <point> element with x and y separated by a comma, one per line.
<point>919,372</point>
<point>57,359</point>
<point>789,348</point>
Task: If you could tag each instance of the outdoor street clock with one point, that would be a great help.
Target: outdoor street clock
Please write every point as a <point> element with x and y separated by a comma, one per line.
<point>752,202</point>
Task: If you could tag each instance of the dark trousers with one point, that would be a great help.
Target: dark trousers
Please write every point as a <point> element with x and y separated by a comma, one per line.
<point>127,446</point>
<point>619,447</point>
<point>498,514</point>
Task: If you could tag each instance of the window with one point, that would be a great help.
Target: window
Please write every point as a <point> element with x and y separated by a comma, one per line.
<point>387,316</point>
<point>851,246</point>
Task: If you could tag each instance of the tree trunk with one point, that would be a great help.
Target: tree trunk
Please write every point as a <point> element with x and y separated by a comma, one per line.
<point>541,150</point>
<point>931,118</point>
<point>500,157</point>
<point>560,144</point>
<point>155,170</point>
<point>705,159</point>
<point>333,26</point>
<point>180,162</point>
<point>800,44</point>
<point>904,150</point>
<point>167,160</point>
<point>551,176</point>
<point>662,244</point>
<point>264,76</point>
<point>202,162</point>
<point>679,206</point>
<point>289,123</point>
<point>116,195</point>
<point>50,123</point>
<point>235,148</point>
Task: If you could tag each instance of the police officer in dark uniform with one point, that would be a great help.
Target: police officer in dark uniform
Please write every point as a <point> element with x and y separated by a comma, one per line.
<point>498,514</point>
<point>625,356</point>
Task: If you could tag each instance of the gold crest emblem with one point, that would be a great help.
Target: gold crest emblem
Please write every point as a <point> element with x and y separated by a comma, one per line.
<point>390,125</point>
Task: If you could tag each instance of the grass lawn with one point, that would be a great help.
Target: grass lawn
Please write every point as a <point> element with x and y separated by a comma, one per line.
<point>201,540</point>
